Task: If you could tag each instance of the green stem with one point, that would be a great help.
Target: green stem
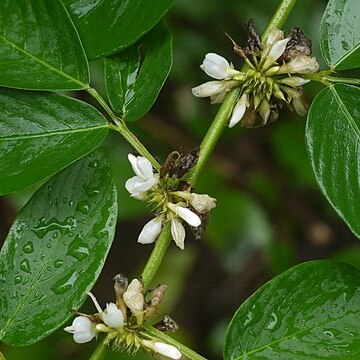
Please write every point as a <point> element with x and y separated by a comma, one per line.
<point>100,351</point>
<point>157,255</point>
<point>334,79</point>
<point>120,126</point>
<point>169,340</point>
<point>213,134</point>
<point>280,16</point>
<point>210,140</point>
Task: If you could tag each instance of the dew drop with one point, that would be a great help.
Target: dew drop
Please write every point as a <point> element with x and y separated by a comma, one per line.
<point>345,45</point>
<point>43,227</point>
<point>78,248</point>
<point>83,207</point>
<point>17,279</point>
<point>28,248</point>
<point>91,191</point>
<point>58,263</point>
<point>65,284</point>
<point>93,164</point>
<point>25,266</point>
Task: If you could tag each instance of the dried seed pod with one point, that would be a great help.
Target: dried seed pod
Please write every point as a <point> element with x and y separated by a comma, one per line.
<point>298,44</point>
<point>199,230</point>
<point>156,297</point>
<point>253,40</point>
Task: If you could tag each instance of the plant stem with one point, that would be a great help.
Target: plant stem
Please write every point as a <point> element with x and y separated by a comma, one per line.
<point>100,351</point>
<point>280,16</point>
<point>213,134</point>
<point>334,79</point>
<point>158,253</point>
<point>209,142</point>
<point>169,340</point>
<point>120,126</point>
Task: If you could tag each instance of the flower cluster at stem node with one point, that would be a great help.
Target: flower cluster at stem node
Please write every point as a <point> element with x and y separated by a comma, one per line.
<point>170,197</point>
<point>275,72</point>
<point>123,320</point>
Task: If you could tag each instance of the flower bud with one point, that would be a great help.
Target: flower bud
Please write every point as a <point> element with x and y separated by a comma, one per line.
<point>178,233</point>
<point>186,214</point>
<point>150,231</point>
<point>112,316</point>
<point>134,297</point>
<point>301,64</point>
<point>212,88</point>
<point>83,329</point>
<point>294,81</point>
<point>161,348</point>
<point>202,203</point>
<point>239,110</point>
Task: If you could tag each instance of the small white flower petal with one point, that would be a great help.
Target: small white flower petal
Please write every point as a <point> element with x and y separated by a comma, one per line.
<point>301,64</point>
<point>274,36</point>
<point>112,316</point>
<point>215,66</point>
<point>137,185</point>
<point>209,88</point>
<point>134,298</point>
<point>278,49</point>
<point>142,166</point>
<point>178,233</point>
<point>150,231</point>
<point>97,305</point>
<point>83,329</point>
<point>239,110</point>
<point>167,350</point>
<point>202,203</point>
<point>186,214</point>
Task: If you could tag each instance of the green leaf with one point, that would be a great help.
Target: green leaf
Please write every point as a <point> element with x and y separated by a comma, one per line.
<point>309,312</point>
<point>39,47</point>
<point>332,139</point>
<point>56,249</point>
<point>340,34</point>
<point>42,133</point>
<point>133,83</point>
<point>108,26</point>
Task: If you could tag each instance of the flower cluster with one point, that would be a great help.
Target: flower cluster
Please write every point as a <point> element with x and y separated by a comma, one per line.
<point>274,76</point>
<point>170,196</point>
<point>122,320</point>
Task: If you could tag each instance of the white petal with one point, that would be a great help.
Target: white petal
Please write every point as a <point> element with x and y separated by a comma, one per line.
<point>136,185</point>
<point>134,298</point>
<point>178,233</point>
<point>274,36</point>
<point>142,167</point>
<point>209,88</point>
<point>215,66</point>
<point>278,49</point>
<point>294,81</point>
<point>82,328</point>
<point>186,214</point>
<point>97,305</point>
<point>239,111</point>
<point>112,316</point>
<point>167,350</point>
<point>202,203</point>
<point>150,231</point>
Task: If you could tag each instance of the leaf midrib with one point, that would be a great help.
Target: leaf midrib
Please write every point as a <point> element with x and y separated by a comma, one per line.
<point>346,55</point>
<point>284,338</point>
<point>52,133</point>
<point>43,63</point>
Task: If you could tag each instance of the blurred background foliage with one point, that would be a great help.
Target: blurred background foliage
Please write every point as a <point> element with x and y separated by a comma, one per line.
<point>270,213</point>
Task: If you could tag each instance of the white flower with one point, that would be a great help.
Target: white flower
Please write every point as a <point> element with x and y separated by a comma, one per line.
<point>167,350</point>
<point>134,297</point>
<point>202,203</point>
<point>275,52</point>
<point>112,316</point>
<point>301,64</point>
<point>83,329</point>
<point>274,36</point>
<point>145,178</point>
<point>178,233</point>
<point>186,214</point>
<point>239,110</point>
<point>161,348</point>
<point>150,231</point>
<point>212,88</point>
<point>217,67</point>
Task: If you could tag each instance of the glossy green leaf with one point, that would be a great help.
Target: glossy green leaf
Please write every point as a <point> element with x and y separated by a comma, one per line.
<point>133,82</point>
<point>108,26</point>
<point>309,312</point>
<point>56,249</point>
<point>340,34</point>
<point>332,139</point>
<point>39,47</point>
<point>41,134</point>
